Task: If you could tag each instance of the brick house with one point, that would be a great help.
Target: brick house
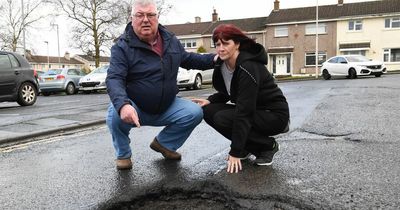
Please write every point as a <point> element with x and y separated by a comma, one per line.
<point>90,62</point>
<point>366,28</point>
<point>194,35</point>
<point>44,63</point>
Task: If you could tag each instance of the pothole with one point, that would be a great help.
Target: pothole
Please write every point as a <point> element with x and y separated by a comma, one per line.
<point>208,196</point>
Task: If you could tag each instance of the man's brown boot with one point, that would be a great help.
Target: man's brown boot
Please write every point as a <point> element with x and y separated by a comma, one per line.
<point>124,164</point>
<point>168,154</point>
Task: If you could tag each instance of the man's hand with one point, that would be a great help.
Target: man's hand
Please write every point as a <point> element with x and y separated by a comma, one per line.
<point>129,115</point>
<point>234,165</point>
<point>200,101</point>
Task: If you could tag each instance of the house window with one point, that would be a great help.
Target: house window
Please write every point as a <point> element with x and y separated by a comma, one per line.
<point>281,31</point>
<point>310,58</point>
<point>355,25</point>
<point>212,43</point>
<point>188,43</point>
<point>392,22</point>
<point>354,52</point>
<point>311,29</point>
<point>391,55</point>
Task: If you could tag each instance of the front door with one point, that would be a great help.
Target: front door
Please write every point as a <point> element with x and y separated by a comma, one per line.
<point>281,64</point>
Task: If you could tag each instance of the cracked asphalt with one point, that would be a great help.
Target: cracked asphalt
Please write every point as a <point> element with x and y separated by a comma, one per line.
<point>341,153</point>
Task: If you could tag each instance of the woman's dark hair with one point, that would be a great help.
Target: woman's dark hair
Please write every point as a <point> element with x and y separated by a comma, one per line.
<point>231,32</point>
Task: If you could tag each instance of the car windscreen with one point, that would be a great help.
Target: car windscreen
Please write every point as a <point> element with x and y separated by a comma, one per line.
<point>102,69</point>
<point>357,59</point>
<point>53,72</point>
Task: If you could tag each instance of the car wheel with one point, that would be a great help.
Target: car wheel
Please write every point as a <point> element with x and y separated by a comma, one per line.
<point>352,73</point>
<point>378,75</point>
<point>325,74</point>
<point>197,82</point>
<point>70,89</point>
<point>27,94</point>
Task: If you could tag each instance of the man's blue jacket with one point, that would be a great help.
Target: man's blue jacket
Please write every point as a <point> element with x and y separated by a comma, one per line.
<point>138,73</point>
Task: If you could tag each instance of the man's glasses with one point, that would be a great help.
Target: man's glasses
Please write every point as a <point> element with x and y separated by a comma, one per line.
<point>140,16</point>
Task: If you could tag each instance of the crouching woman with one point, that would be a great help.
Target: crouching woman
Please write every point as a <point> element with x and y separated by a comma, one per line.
<point>248,107</point>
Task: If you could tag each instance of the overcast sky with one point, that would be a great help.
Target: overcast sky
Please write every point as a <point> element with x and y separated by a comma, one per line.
<point>184,11</point>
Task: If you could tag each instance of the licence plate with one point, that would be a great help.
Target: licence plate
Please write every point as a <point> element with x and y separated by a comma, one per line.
<point>48,79</point>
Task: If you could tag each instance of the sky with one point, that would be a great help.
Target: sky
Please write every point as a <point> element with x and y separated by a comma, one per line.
<point>183,11</point>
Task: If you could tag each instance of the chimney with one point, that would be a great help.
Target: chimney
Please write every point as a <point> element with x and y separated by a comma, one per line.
<point>276,5</point>
<point>214,16</point>
<point>197,19</point>
<point>66,56</point>
<point>340,2</point>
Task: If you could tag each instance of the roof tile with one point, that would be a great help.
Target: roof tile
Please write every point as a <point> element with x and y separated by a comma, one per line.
<point>334,11</point>
<point>247,24</point>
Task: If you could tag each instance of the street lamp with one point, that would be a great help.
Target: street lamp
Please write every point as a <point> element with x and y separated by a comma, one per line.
<point>48,58</point>
<point>23,26</point>
<point>58,43</point>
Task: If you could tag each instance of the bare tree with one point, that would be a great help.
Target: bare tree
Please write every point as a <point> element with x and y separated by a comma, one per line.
<point>96,23</point>
<point>12,23</point>
<point>163,7</point>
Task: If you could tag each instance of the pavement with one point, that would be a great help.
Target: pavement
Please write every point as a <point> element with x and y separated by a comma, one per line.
<point>28,130</point>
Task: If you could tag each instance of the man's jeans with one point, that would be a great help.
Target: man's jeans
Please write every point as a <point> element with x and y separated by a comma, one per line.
<point>179,120</point>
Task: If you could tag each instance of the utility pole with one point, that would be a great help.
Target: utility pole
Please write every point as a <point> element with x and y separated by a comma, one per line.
<point>23,26</point>
<point>48,57</point>
<point>58,44</point>
<point>316,42</point>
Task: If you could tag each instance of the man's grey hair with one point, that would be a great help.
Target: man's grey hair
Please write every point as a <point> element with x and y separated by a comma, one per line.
<point>142,3</point>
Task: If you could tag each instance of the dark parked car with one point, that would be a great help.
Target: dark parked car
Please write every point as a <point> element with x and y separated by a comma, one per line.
<point>17,80</point>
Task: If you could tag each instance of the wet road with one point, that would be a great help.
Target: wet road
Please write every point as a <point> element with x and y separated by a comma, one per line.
<point>341,152</point>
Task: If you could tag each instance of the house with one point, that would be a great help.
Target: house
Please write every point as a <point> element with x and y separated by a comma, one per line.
<point>371,29</point>
<point>90,62</point>
<point>366,28</point>
<point>198,34</point>
<point>44,63</point>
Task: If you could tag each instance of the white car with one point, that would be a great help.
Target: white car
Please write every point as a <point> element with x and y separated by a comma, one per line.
<point>352,66</point>
<point>193,79</point>
<point>95,80</point>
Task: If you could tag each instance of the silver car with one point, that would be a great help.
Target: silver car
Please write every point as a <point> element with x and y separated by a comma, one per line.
<point>60,80</point>
<point>95,80</point>
<point>193,78</point>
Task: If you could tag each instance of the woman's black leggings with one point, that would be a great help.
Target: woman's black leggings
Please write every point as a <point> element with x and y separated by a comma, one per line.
<point>265,124</point>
